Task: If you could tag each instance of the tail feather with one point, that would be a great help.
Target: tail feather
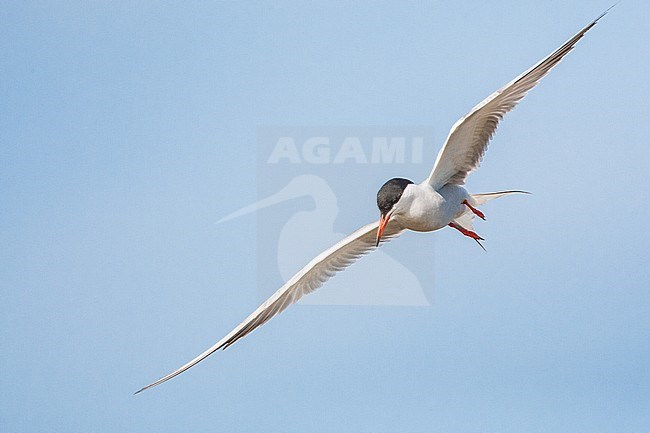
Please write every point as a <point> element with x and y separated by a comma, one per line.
<point>479,199</point>
<point>466,219</point>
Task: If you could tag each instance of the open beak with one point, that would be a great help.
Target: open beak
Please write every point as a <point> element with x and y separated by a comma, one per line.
<point>383,222</point>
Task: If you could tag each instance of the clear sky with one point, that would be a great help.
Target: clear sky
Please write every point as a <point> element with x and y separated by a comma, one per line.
<point>128,129</point>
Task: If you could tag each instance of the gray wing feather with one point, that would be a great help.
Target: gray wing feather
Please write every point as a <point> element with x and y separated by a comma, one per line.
<point>469,137</point>
<point>307,280</point>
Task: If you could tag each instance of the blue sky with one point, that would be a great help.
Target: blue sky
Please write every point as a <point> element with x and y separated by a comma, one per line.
<point>128,129</point>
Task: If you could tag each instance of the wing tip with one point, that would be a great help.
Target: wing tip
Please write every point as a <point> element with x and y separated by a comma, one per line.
<point>158,382</point>
<point>605,12</point>
<point>144,388</point>
<point>161,380</point>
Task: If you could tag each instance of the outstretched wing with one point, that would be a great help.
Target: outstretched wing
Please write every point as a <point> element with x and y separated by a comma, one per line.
<point>308,279</point>
<point>469,137</point>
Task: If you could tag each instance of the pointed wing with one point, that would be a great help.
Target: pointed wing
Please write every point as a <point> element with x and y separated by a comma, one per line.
<point>307,280</point>
<point>469,137</point>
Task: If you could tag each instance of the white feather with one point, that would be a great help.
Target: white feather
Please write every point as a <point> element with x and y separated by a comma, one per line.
<point>308,279</point>
<point>469,137</point>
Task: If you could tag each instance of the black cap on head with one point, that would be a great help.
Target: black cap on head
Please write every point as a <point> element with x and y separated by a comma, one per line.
<point>390,193</point>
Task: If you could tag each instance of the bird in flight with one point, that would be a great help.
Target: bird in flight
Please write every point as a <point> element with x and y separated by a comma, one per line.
<point>439,201</point>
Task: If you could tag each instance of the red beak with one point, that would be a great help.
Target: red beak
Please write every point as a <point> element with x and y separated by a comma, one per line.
<point>383,222</point>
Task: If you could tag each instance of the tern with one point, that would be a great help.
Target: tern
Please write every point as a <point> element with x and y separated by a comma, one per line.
<point>439,201</point>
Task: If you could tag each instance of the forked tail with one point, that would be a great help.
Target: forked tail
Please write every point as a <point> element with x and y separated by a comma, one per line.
<point>479,199</point>
<point>463,223</point>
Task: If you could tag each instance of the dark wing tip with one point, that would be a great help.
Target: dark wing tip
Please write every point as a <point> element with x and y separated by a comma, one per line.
<point>142,389</point>
<point>605,13</point>
<point>151,385</point>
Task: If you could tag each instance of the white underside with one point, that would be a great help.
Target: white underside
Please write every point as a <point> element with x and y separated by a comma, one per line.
<point>423,209</point>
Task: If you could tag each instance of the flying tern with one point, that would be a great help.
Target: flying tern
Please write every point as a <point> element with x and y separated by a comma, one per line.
<point>439,201</point>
